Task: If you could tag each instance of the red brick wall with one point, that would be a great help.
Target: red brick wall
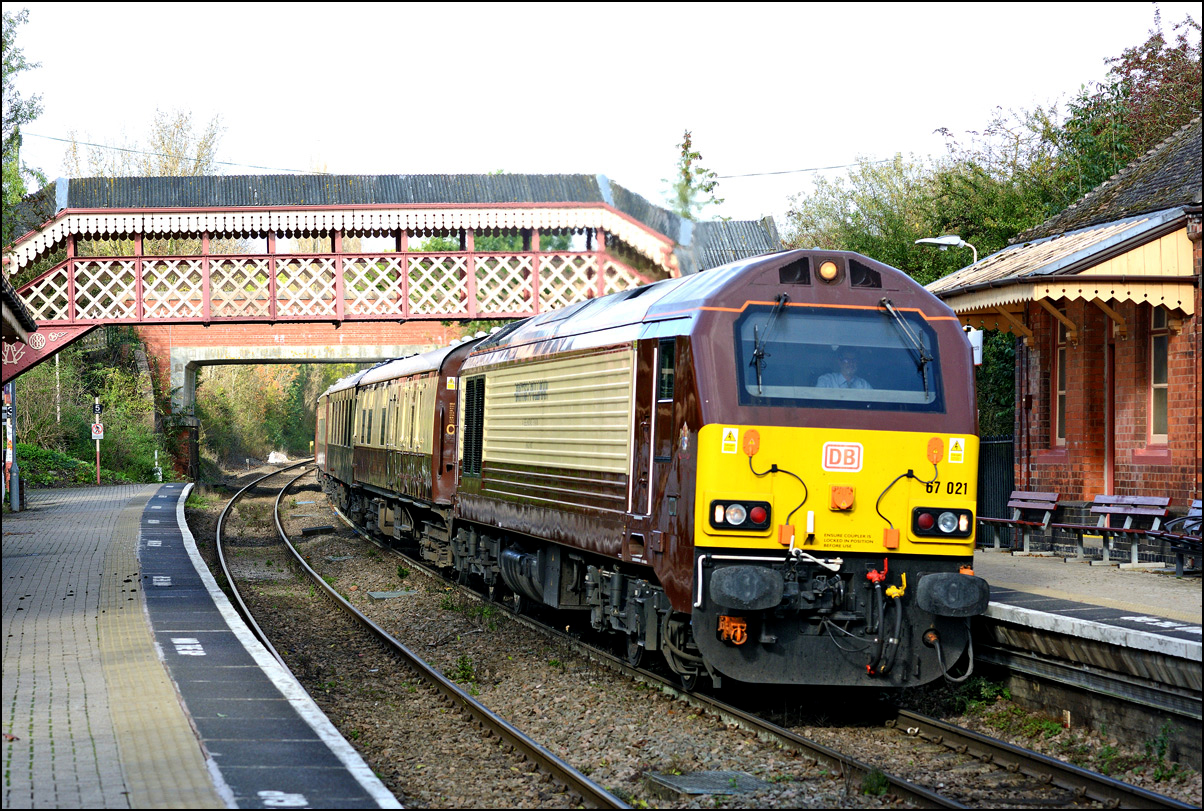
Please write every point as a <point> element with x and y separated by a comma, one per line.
<point>1077,470</point>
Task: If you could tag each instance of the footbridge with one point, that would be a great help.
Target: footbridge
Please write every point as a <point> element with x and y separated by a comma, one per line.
<point>333,267</point>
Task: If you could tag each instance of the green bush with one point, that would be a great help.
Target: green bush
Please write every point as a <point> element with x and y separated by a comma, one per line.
<point>41,467</point>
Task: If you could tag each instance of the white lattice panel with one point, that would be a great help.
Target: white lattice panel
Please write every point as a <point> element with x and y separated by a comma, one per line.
<point>372,285</point>
<point>565,279</point>
<point>438,283</point>
<point>239,287</point>
<point>305,286</point>
<point>47,298</point>
<point>618,278</point>
<point>105,289</point>
<point>503,284</point>
<point>172,288</point>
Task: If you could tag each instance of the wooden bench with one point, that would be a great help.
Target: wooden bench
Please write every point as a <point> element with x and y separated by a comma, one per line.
<point>1026,507</point>
<point>1182,534</point>
<point>1135,510</point>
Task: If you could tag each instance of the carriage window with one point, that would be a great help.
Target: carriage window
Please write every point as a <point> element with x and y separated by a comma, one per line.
<point>848,359</point>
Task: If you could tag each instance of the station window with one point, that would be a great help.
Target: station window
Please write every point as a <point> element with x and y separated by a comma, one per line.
<point>1159,378</point>
<point>1059,377</point>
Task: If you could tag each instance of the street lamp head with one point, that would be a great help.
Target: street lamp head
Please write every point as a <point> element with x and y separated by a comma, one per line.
<point>949,241</point>
<point>945,242</point>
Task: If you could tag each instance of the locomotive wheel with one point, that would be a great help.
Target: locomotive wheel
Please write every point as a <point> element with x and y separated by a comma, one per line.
<point>523,604</point>
<point>635,652</point>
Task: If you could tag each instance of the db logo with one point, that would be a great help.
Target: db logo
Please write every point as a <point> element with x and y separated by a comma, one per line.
<point>842,456</point>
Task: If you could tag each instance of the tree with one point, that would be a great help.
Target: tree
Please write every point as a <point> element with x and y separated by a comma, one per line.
<point>1000,182</point>
<point>692,183</point>
<point>880,210</point>
<point>17,111</point>
<point>173,149</point>
<point>1152,90</point>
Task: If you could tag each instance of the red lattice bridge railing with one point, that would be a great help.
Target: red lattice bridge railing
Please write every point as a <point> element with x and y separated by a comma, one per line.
<point>319,287</point>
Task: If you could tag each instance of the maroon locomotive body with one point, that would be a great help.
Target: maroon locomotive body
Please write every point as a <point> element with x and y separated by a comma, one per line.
<point>659,460</point>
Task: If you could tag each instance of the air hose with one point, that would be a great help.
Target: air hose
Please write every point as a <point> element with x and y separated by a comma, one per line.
<point>940,658</point>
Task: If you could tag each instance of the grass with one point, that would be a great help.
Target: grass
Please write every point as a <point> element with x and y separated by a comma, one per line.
<point>875,783</point>
<point>464,671</point>
<point>197,501</point>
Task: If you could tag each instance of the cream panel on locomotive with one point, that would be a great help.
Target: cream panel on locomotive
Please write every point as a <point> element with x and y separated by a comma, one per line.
<point>571,413</point>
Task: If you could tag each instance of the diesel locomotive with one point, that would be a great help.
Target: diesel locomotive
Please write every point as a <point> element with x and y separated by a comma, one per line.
<point>764,472</point>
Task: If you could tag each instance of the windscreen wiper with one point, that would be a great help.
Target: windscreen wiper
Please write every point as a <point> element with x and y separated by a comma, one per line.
<point>759,354</point>
<point>917,346</point>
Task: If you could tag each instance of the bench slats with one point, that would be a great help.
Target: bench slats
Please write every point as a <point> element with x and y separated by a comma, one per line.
<point>1029,509</point>
<point>1129,510</point>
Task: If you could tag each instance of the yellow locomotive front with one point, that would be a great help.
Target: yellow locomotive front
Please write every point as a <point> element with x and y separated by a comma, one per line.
<point>835,488</point>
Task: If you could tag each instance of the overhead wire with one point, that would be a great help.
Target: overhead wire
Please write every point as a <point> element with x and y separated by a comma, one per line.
<point>166,155</point>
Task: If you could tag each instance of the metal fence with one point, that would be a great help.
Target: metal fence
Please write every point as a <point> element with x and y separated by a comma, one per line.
<point>996,476</point>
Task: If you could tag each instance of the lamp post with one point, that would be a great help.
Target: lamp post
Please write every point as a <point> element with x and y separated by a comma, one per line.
<point>947,242</point>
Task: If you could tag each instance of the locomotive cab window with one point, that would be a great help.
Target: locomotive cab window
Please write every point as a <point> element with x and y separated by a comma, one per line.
<point>847,359</point>
<point>665,373</point>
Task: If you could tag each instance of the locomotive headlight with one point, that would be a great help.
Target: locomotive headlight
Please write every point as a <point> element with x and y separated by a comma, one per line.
<point>828,271</point>
<point>741,515</point>
<point>929,522</point>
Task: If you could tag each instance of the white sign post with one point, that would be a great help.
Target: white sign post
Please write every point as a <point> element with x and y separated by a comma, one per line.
<point>98,433</point>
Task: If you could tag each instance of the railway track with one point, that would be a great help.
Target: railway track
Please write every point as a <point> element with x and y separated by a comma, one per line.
<point>970,770</point>
<point>577,788</point>
<point>974,770</point>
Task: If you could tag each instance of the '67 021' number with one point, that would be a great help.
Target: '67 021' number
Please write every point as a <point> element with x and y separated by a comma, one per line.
<point>951,488</point>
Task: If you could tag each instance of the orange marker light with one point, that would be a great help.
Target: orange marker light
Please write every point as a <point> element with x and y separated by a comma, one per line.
<point>752,442</point>
<point>936,449</point>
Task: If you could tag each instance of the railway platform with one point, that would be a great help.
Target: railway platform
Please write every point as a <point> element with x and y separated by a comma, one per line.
<point>1139,601</point>
<point>130,682</point>
<point>1098,646</point>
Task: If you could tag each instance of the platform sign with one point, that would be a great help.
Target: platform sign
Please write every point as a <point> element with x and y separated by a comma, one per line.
<point>98,430</point>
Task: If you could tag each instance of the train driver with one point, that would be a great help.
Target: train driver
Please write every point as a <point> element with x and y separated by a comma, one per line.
<point>847,377</point>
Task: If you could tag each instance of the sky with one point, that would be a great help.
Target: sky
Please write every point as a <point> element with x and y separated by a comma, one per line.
<point>564,88</point>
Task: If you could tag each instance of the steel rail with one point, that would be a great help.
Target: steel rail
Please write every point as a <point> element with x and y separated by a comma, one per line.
<point>592,794</point>
<point>221,557</point>
<point>1087,784</point>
